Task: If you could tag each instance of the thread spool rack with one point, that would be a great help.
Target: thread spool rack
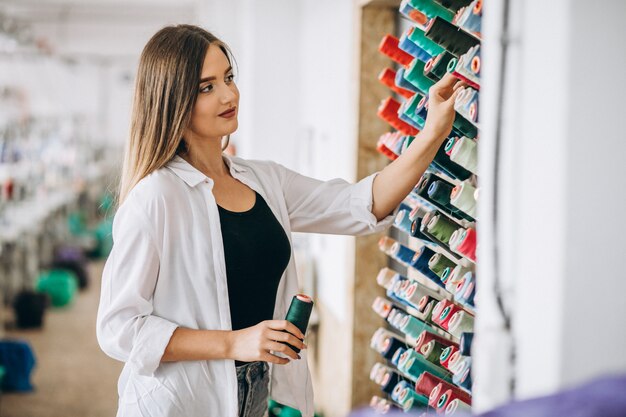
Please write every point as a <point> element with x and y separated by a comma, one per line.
<point>439,32</point>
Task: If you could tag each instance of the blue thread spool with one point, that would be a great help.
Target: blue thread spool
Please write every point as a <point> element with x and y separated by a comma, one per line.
<point>465,343</point>
<point>402,253</point>
<point>403,221</point>
<point>395,394</point>
<point>406,119</point>
<point>389,346</point>
<point>464,376</point>
<point>410,47</point>
<point>389,381</point>
<point>404,83</point>
<point>396,356</point>
<point>440,192</point>
<point>420,262</point>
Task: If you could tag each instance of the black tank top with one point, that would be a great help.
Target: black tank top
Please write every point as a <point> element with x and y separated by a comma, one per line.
<point>257,251</point>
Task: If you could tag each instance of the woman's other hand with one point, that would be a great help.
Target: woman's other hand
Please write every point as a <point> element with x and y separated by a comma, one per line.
<point>441,112</point>
<point>257,342</point>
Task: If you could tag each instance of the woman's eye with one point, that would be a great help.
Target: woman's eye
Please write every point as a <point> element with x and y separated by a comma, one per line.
<point>230,78</point>
<point>207,88</point>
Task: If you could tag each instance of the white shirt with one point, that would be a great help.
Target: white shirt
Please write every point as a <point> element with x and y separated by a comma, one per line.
<point>167,269</point>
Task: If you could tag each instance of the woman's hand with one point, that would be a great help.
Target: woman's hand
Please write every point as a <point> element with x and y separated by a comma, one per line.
<point>441,112</point>
<point>255,343</point>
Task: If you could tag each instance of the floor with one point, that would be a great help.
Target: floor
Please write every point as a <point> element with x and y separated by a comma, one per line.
<point>73,378</point>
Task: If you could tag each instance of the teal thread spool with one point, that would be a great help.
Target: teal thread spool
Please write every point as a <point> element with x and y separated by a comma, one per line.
<point>452,65</point>
<point>417,364</point>
<point>441,227</point>
<point>410,110</point>
<point>464,126</point>
<point>418,37</point>
<point>299,314</point>
<point>439,66</point>
<point>413,326</point>
<point>440,192</point>
<point>438,263</point>
<point>432,9</point>
<point>414,400</point>
<point>415,75</point>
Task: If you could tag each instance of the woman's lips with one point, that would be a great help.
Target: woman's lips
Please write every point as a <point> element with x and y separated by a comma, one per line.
<point>228,114</point>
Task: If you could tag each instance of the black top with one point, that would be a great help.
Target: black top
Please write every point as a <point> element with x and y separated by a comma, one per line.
<point>257,251</point>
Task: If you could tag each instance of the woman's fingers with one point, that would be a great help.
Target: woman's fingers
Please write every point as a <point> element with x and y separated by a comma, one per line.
<point>286,325</point>
<point>268,357</point>
<point>282,348</point>
<point>286,338</point>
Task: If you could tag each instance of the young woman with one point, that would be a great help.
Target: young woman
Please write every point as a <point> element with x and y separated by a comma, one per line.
<point>195,291</point>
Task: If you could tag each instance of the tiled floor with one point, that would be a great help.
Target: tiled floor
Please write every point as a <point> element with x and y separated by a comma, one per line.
<point>73,378</point>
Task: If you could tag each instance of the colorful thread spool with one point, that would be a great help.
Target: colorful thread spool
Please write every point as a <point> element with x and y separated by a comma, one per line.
<point>387,77</point>
<point>389,381</point>
<point>389,346</point>
<point>441,386</point>
<point>382,307</point>
<point>465,153</point>
<point>435,394</point>
<point>440,191</point>
<point>416,364</point>
<point>462,197</point>
<point>449,37</point>
<point>396,356</point>
<point>438,262</point>
<point>402,82</point>
<point>415,75</point>
<point>457,405</point>
<point>419,37</point>
<point>420,262</point>
<point>410,47</point>
<point>402,253</point>
<point>388,111</point>
<point>443,401</point>
<point>457,274</point>
<point>446,315</point>
<point>299,313</point>
<point>465,289</point>
<point>455,239</point>
<point>432,351</point>
<point>460,322</point>
<point>432,9</point>
<point>389,46</point>
<point>412,326</point>
<point>443,162</point>
<point>446,354</point>
<point>467,243</point>
<point>441,227</point>
<point>425,383</point>
<point>465,343</point>
<point>395,394</point>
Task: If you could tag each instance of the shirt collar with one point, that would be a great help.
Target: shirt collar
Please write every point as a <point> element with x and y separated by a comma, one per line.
<point>192,176</point>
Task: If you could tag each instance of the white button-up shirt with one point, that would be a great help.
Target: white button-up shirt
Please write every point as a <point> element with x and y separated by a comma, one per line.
<point>167,269</point>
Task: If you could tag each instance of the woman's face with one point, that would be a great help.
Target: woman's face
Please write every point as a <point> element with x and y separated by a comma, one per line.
<point>217,94</point>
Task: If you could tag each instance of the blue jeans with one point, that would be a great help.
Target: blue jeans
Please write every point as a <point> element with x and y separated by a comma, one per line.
<point>253,380</point>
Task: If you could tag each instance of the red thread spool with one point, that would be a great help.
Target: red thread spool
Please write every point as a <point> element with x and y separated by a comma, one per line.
<point>388,78</point>
<point>434,395</point>
<point>426,337</point>
<point>439,307</point>
<point>443,401</point>
<point>389,46</point>
<point>447,314</point>
<point>466,80</point>
<point>388,111</point>
<point>382,148</point>
<point>418,17</point>
<point>446,361</point>
<point>443,386</point>
<point>468,244</point>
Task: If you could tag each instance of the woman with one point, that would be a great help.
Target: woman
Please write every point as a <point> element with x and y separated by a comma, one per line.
<point>202,273</point>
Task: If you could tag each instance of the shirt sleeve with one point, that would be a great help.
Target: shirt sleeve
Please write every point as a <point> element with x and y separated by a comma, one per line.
<point>333,207</point>
<point>127,329</point>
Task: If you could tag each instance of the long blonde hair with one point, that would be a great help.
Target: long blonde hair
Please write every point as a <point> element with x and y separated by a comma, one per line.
<point>166,90</point>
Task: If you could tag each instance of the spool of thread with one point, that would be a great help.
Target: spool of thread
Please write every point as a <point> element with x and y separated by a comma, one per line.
<point>376,373</point>
<point>446,315</point>
<point>389,346</point>
<point>457,274</point>
<point>432,9</point>
<point>443,401</point>
<point>425,383</point>
<point>398,319</point>
<point>416,364</point>
<point>465,153</point>
<point>432,351</point>
<point>410,47</point>
<point>415,292</point>
<point>388,111</point>
<point>412,326</point>
<point>389,46</point>
<point>416,231</point>
<point>441,227</point>
<point>454,360</point>
<point>395,394</point>
<point>468,295</point>
<point>467,244</point>
<point>438,262</point>
<point>465,343</point>
<point>462,197</point>
<point>456,405</point>
<point>465,381</point>
<point>387,77</point>
<point>461,366</point>
<point>427,336</point>
<point>462,285</point>
<point>403,288</point>
<point>434,395</point>
<point>389,381</point>
<point>439,309</point>
<point>445,275</point>
<point>443,386</point>
<point>461,322</point>
<point>452,65</point>
<point>440,191</point>
<point>442,162</point>
<point>404,358</point>
<point>414,74</point>
<point>447,35</point>
<point>385,243</point>
<point>402,253</point>
<point>299,313</point>
<point>418,37</point>
<point>386,277</point>
<point>420,262</point>
<point>396,356</point>
<point>446,354</point>
<point>382,307</point>
<point>403,221</point>
<point>455,239</point>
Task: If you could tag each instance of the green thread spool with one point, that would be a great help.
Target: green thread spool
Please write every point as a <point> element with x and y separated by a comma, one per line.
<point>415,75</point>
<point>299,313</point>
<point>405,358</point>
<point>463,198</point>
<point>432,351</point>
<point>464,126</point>
<point>417,365</point>
<point>432,9</point>
<point>410,109</point>
<point>438,263</point>
<point>440,192</point>
<point>441,228</point>
<point>440,64</point>
<point>411,400</point>
<point>452,65</point>
<point>418,37</point>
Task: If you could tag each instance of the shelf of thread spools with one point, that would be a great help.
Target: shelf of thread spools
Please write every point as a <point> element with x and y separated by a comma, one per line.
<point>430,311</point>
